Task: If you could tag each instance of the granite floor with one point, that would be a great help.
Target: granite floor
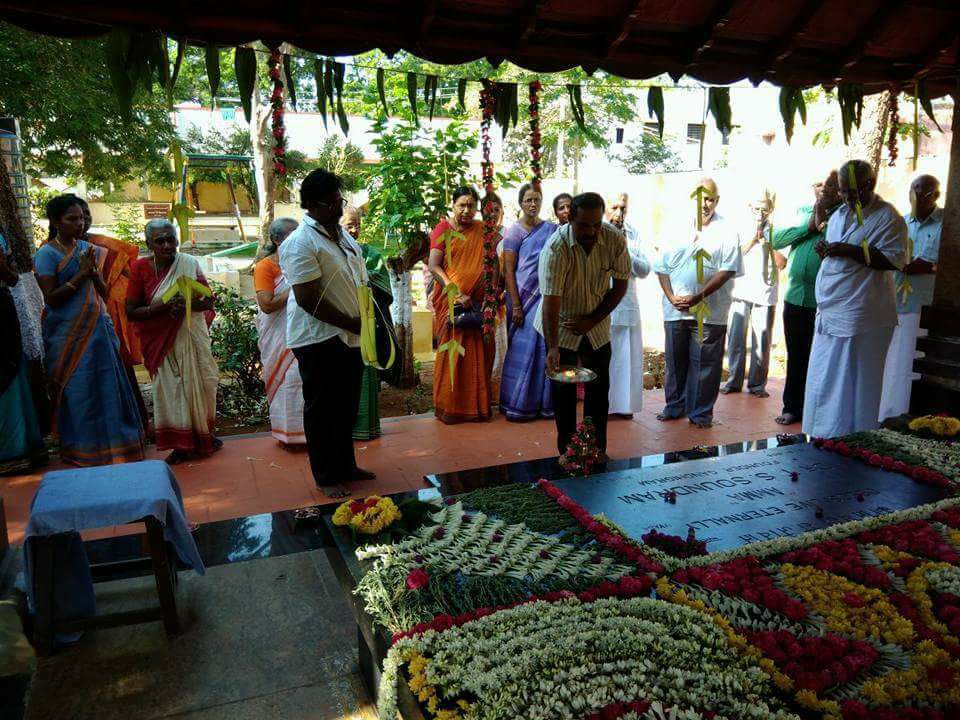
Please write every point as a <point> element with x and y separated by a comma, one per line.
<point>270,638</point>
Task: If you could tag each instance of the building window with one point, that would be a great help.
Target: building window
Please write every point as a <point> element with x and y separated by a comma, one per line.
<point>619,139</point>
<point>694,133</point>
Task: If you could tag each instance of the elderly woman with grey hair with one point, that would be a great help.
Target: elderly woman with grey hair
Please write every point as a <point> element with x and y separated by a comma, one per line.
<point>171,306</point>
<point>281,374</point>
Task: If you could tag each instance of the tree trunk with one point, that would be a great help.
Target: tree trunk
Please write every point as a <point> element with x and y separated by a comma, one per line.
<point>867,143</point>
<point>402,312</point>
<point>262,141</point>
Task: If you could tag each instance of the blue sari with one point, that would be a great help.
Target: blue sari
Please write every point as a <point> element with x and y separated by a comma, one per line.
<point>94,409</point>
<point>21,443</point>
<point>525,391</point>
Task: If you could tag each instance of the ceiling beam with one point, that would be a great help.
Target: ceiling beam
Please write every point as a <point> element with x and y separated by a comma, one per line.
<point>703,38</point>
<point>787,43</point>
<point>868,33</point>
<point>627,22</point>
<point>930,54</point>
<point>428,13</point>
<point>529,21</point>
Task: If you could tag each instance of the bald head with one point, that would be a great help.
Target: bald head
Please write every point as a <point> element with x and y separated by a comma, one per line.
<point>350,221</point>
<point>924,193</point>
<point>862,190</point>
<point>710,199</point>
<point>617,211</point>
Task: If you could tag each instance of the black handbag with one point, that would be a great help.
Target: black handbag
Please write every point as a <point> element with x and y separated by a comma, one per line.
<point>467,319</point>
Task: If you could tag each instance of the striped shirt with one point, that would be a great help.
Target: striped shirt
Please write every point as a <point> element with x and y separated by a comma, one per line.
<point>581,280</point>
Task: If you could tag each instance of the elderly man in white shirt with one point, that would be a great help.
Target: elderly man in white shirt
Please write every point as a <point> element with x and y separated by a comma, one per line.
<point>754,307</point>
<point>914,287</point>
<point>856,308</point>
<point>626,337</point>
<point>694,365</point>
<point>325,266</point>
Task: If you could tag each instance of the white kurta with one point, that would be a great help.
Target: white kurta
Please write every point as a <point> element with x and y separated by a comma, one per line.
<point>856,315</point>
<point>898,375</point>
<point>626,337</point>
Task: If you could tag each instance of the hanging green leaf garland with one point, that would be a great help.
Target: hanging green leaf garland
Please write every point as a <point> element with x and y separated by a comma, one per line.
<point>338,72</point>
<point>655,107</point>
<point>850,97</point>
<point>319,76</point>
<point>576,105</point>
<point>462,93</point>
<point>381,91</point>
<point>412,96</point>
<point>718,102</point>
<point>920,88</point>
<point>791,103</point>
<point>288,80</point>
<point>245,68</point>
<point>117,47</point>
<point>212,61</point>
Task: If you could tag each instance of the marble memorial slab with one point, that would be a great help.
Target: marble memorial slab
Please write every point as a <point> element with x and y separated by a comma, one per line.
<point>747,497</point>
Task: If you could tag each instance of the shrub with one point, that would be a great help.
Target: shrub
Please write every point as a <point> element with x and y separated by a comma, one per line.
<point>241,394</point>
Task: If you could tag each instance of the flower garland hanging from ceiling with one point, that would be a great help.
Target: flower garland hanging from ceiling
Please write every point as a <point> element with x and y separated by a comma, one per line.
<point>276,103</point>
<point>537,171</point>
<point>491,232</point>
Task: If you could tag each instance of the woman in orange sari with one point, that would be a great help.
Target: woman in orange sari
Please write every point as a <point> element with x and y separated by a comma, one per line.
<point>456,256</point>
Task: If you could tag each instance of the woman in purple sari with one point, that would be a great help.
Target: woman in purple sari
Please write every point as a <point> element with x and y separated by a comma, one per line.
<point>525,390</point>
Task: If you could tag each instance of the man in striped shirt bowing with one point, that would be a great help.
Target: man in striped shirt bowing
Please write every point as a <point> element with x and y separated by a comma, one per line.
<point>576,268</point>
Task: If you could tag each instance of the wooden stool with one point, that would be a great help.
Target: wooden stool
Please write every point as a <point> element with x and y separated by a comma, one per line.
<point>164,572</point>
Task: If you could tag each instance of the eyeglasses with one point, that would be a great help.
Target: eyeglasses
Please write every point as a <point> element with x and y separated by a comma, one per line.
<point>331,205</point>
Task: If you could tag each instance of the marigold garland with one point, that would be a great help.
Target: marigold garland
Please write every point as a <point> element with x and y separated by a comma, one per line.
<point>367,517</point>
<point>274,65</point>
<point>939,425</point>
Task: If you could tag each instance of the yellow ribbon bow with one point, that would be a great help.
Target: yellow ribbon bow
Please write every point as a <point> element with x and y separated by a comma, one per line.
<point>858,208</point>
<point>186,287</point>
<point>701,311</point>
<point>368,331</point>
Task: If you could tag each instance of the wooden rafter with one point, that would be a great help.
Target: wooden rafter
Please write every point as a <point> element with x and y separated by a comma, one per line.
<point>867,34</point>
<point>704,37</point>
<point>787,43</point>
<point>928,58</point>
<point>428,13</point>
<point>626,24</point>
<point>529,21</point>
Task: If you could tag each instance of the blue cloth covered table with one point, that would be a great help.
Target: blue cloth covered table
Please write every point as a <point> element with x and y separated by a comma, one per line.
<point>71,500</point>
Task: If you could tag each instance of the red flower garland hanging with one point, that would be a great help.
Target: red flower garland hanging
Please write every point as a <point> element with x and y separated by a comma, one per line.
<point>274,64</point>
<point>490,231</point>
<point>535,88</point>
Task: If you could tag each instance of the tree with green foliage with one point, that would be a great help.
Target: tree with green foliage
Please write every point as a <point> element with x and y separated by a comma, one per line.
<point>649,154</point>
<point>409,194</point>
<point>70,117</point>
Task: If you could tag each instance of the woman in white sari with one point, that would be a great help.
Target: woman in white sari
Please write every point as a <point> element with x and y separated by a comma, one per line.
<point>175,339</point>
<point>281,376</point>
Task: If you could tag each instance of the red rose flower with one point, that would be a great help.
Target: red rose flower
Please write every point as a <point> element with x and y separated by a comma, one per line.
<point>417,579</point>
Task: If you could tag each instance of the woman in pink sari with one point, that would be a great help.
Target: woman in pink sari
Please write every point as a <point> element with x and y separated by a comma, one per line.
<point>281,374</point>
<point>175,341</point>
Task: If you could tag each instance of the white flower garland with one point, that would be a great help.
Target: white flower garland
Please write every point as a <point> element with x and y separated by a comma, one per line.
<point>565,659</point>
<point>936,455</point>
<point>944,579</point>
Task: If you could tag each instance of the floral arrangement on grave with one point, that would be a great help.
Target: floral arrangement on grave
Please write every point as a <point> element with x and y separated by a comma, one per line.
<point>379,516</point>
<point>939,425</point>
<point>582,454</point>
<point>276,116</point>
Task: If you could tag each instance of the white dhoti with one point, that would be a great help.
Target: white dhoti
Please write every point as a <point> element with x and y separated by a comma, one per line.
<point>626,369</point>
<point>844,382</point>
<point>898,375</point>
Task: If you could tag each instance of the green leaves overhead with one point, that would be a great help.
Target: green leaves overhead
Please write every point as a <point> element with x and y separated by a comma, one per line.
<point>288,81</point>
<point>212,59</point>
<point>576,105</point>
<point>319,76</point>
<point>430,92</point>
<point>381,91</point>
<point>245,68</point>
<point>850,98</point>
<point>718,103</point>
<point>506,111</point>
<point>924,98</point>
<point>792,102</point>
<point>655,107</point>
<point>412,96</point>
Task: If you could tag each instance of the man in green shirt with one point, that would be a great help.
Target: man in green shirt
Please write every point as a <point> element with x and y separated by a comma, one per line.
<point>799,303</point>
